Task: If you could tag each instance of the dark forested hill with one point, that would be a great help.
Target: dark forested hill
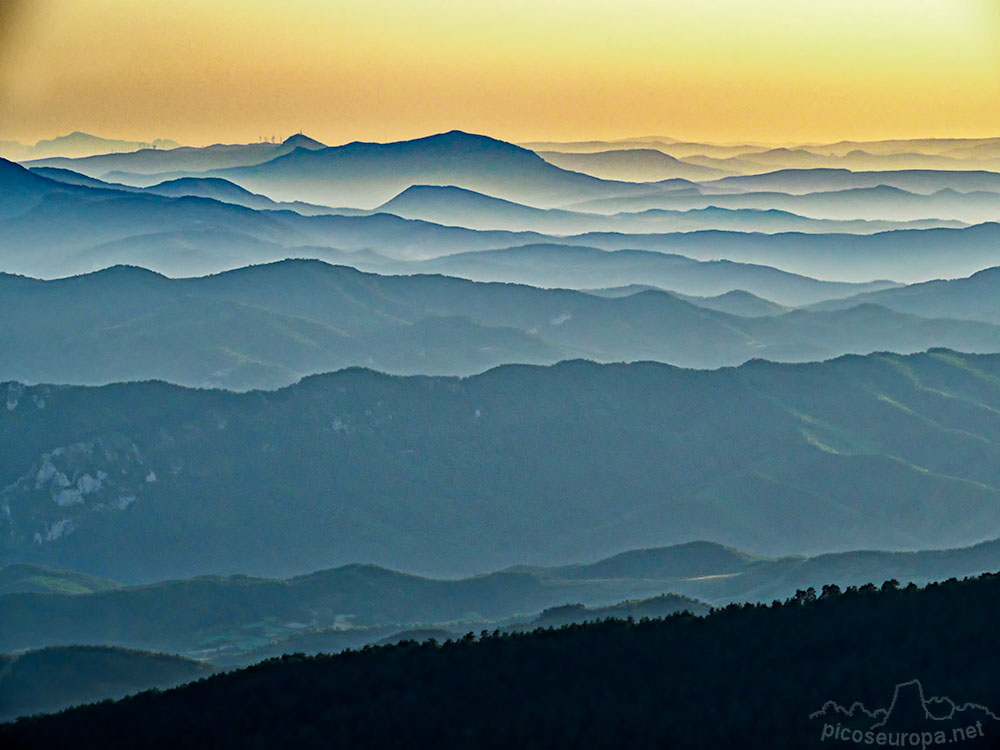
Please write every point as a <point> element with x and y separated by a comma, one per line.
<point>743,677</point>
<point>536,465</point>
<point>52,679</point>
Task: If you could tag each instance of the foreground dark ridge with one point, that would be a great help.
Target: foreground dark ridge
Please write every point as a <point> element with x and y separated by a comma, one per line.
<point>743,677</point>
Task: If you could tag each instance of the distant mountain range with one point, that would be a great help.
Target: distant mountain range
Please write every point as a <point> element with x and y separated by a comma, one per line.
<point>576,266</point>
<point>881,203</point>
<point>47,225</point>
<point>368,174</point>
<point>908,255</point>
<point>798,181</point>
<point>200,187</point>
<point>233,619</point>
<point>565,264</point>
<point>956,147</point>
<point>237,619</point>
<point>856,160</point>
<point>758,162</point>
<point>362,175</point>
<point>632,165</point>
<point>77,145</point>
<point>176,159</point>
<point>521,464</point>
<point>267,326</point>
<point>459,207</point>
<point>973,298</point>
<point>646,156</point>
<point>737,302</point>
<point>631,160</point>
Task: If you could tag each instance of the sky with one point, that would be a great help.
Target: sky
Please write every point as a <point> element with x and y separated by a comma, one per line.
<point>777,71</point>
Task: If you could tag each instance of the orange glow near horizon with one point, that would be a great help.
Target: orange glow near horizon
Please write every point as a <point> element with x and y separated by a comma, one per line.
<point>720,70</point>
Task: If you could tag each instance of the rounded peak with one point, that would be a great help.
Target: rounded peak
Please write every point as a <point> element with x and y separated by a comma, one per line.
<point>453,138</point>
<point>884,188</point>
<point>741,294</point>
<point>302,141</point>
<point>447,192</point>
<point>456,133</point>
<point>123,269</point>
<point>287,265</point>
<point>76,135</point>
<point>450,189</point>
<point>113,274</point>
<point>215,182</point>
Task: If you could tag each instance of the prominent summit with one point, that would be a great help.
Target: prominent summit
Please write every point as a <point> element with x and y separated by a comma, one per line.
<point>303,141</point>
<point>366,175</point>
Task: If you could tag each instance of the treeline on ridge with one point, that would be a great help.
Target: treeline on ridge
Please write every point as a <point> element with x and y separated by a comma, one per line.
<point>746,676</point>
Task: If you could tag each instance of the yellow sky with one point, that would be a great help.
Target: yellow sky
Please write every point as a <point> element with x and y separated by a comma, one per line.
<point>202,71</point>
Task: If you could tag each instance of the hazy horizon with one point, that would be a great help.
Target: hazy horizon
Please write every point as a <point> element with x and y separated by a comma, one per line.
<point>279,136</point>
<point>722,71</point>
